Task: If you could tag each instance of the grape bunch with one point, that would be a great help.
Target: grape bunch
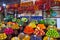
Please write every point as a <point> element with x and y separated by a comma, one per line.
<point>52,33</point>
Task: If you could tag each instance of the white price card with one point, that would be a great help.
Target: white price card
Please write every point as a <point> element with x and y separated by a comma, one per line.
<point>58,23</point>
<point>23,1</point>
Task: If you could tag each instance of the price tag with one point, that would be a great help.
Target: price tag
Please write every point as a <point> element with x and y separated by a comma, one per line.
<point>58,23</point>
<point>23,1</point>
<point>0,8</point>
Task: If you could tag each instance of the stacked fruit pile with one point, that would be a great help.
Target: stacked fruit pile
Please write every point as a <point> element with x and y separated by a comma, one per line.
<point>23,29</point>
<point>52,33</point>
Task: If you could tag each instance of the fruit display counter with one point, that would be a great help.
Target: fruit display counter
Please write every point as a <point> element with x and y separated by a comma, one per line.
<point>31,20</point>
<point>23,29</point>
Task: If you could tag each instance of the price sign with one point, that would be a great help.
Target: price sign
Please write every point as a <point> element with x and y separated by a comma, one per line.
<point>58,23</point>
<point>23,1</point>
<point>0,8</point>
